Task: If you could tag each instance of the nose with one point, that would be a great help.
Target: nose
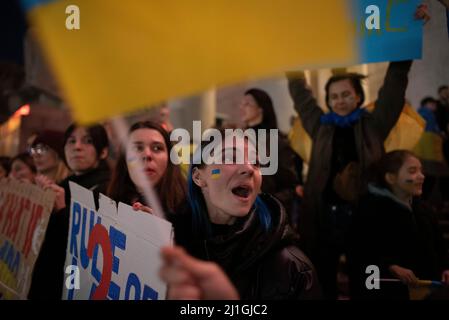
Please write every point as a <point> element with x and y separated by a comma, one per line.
<point>246,169</point>
<point>147,154</point>
<point>421,176</point>
<point>77,144</point>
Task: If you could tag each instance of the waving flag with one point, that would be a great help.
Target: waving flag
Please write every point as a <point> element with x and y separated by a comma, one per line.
<point>127,55</point>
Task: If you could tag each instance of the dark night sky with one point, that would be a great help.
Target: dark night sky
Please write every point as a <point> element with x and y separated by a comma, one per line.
<point>12,31</point>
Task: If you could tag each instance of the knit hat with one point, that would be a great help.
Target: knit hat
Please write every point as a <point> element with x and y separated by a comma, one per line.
<point>53,139</point>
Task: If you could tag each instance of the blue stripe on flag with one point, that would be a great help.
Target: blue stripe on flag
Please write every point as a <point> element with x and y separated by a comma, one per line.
<point>30,4</point>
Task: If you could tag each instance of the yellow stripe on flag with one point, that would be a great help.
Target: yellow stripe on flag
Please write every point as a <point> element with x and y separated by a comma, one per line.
<point>131,54</point>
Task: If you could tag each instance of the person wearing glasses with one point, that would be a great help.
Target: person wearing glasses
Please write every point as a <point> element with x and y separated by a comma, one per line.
<point>47,151</point>
<point>85,152</point>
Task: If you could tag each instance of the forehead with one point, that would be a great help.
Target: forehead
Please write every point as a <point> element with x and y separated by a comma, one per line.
<point>17,162</point>
<point>146,135</point>
<point>79,131</point>
<point>340,86</point>
<point>411,161</point>
<point>249,99</point>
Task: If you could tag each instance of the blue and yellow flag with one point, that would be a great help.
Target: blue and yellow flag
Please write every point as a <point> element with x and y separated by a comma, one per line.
<point>423,289</point>
<point>127,55</point>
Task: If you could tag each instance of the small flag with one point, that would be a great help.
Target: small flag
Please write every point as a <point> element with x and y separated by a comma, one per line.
<point>423,289</point>
<point>215,173</point>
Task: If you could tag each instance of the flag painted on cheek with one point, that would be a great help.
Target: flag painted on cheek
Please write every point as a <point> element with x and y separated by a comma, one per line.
<point>215,173</point>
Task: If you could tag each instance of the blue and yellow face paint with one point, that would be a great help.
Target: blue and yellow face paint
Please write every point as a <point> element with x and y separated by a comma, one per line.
<point>215,173</point>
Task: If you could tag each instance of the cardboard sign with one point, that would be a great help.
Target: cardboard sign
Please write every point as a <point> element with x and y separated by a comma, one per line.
<point>113,253</point>
<point>24,214</point>
<point>387,30</point>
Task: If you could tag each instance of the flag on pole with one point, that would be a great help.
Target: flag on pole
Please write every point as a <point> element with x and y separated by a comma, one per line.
<point>112,57</point>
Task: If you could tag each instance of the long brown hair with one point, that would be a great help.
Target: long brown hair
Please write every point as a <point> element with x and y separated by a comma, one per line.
<point>171,189</point>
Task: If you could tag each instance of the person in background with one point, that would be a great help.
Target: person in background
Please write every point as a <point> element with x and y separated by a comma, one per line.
<point>393,230</point>
<point>442,109</point>
<point>258,112</point>
<point>22,168</point>
<point>47,151</point>
<point>346,141</point>
<point>151,143</point>
<point>85,152</point>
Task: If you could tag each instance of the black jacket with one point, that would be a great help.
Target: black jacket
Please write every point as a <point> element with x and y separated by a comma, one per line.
<point>369,134</point>
<point>48,275</point>
<point>386,232</point>
<point>262,265</point>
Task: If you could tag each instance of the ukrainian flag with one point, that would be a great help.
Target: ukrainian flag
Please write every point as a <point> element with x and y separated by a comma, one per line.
<point>423,289</point>
<point>127,55</point>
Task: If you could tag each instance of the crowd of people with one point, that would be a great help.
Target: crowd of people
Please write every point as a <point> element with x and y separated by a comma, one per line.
<point>242,235</point>
<point>245,230</point>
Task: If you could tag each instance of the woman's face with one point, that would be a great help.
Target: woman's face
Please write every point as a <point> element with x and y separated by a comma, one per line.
<point>21,171</point>
<point>45,159</point>
<point>342,97</point>
<point>250,110</point>
<point>80,152</point>
<point>409,179</point>
<point>148,145</point>
<point>229,190</point>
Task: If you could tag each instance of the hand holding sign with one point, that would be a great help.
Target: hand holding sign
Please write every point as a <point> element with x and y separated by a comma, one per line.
<point>140,207</point>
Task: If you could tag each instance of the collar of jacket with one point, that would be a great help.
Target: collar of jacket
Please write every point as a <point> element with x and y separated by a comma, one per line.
<point>382,192</point>
<point>247,242</point>
<point>331,118</point>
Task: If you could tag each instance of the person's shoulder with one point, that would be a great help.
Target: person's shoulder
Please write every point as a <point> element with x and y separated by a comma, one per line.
<point>292,273</point>
<point>290,257</point>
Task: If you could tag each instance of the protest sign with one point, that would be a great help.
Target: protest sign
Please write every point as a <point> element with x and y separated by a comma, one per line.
<point>24,214</point>
<point>113,252</point>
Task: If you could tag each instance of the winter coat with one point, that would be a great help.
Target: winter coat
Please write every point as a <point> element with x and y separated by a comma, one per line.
<point>262,265</point>
<point>387,232</point>
<point>369,133</point>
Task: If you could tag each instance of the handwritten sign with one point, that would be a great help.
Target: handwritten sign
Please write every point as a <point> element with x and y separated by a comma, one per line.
<point>24,213</point>
<point>113,253</point>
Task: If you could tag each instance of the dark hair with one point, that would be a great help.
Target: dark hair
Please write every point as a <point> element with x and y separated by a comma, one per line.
<point>200,217</point>
<point>441,88</point>
<point>356,81</point>
<point>5,163</point>
<point>172,187</point>
<point>99,137</point>
<point>390,162</point>
<point>263,100</point>
<point>426,100</point>
<point>53,139</point>
<point>27,159</point>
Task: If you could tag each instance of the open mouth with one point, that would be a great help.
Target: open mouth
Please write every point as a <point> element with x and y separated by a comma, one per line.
<point>242,191</point>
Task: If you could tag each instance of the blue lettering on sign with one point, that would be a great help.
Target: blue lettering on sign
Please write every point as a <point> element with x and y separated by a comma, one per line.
<point>117,239</point>
<point>149,293</point>
<point>133,281</point>
<point>76,219</point>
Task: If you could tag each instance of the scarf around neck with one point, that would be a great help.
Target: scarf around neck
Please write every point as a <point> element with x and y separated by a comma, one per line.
<point>331,118</point>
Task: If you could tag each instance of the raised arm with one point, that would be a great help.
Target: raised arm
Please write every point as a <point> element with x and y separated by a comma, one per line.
<point>391,97</point>
<point>304,103</point>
